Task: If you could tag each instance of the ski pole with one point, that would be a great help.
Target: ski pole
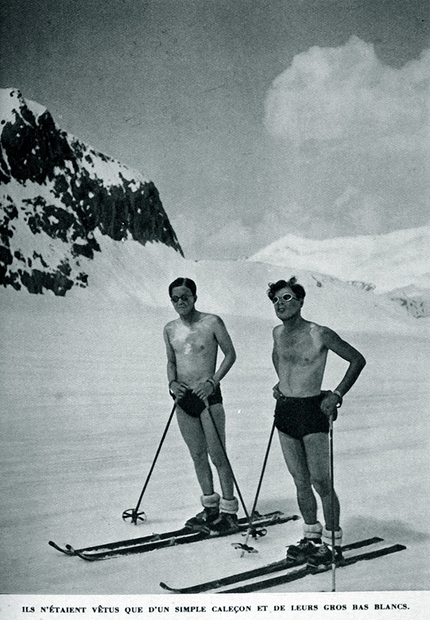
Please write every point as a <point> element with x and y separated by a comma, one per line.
<point>266,456</point>
<point>332,498</point>
<point>133,513</point>
<point>230,467</point>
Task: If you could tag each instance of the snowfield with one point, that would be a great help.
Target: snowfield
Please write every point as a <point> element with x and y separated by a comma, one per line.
<point>85,402</point>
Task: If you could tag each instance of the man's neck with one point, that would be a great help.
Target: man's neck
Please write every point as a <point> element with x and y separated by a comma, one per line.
<point>190,318</point>
<point>293,323</point>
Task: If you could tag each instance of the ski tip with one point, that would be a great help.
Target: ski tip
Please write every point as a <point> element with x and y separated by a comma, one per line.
<point>80,554</point>
<point>66,551</point>
<point>166,587</point>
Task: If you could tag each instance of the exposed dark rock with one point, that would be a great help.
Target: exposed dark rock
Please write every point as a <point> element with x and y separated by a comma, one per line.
<point>60,188</point>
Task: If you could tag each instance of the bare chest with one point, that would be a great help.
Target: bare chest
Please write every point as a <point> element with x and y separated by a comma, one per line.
<point>191,341</point>
<point>302,349</point>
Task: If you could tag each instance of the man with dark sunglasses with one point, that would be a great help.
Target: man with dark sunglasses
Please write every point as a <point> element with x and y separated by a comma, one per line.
<point>192,343</point>
<point>302,415</point>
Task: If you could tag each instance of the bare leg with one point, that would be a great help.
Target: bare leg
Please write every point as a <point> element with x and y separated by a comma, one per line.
<point>295,458</point>
<point>194,436</point>
<point>317,455</point>
<point>216,451</point>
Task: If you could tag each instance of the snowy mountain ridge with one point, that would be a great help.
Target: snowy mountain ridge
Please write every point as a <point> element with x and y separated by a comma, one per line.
<point>396,264</point>
<point>392,260</point>
<point>56,192</point>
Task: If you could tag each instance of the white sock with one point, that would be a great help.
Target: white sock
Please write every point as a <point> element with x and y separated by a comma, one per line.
<point>312,531</point>
<point>327,537</point>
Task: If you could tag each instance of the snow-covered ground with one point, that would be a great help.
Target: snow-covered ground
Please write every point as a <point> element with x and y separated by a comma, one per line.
<point>85,402</point>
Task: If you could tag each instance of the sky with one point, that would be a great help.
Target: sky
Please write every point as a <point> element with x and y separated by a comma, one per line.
<point>254,118</point>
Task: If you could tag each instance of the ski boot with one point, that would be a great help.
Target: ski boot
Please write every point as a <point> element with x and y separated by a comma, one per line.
<point>298,554</point>
<point>209,513</point>
<point>227,520</point>
<point>323,556</point>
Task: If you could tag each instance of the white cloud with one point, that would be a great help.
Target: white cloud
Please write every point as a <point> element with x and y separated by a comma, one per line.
<point>346,94</point>
<point>349,156</point>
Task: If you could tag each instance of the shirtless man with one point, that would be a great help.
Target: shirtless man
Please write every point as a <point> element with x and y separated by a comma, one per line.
<point>302,414</point>
<point>192,343</point>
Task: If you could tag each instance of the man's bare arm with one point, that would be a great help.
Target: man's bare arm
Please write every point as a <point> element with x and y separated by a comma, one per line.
<point>275,361</point>
<point>347,352</point>
<point>223,340</point>
<point>334,343</point>
<point>177,388</point>
<point>226,345</point>
<point>275,356</point>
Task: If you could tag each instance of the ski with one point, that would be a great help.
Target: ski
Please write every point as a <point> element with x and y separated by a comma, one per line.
<point>166,539</point>
<point>299,573</point>
<point>267,569</point>
<point>58,548</point>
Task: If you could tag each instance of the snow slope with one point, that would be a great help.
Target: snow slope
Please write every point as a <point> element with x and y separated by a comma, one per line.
<point>128,271</point>
<point>85,403</point>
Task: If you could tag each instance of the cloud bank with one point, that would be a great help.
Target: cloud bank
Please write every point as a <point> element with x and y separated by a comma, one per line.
<point>346,94</point>
<point>349,154</point>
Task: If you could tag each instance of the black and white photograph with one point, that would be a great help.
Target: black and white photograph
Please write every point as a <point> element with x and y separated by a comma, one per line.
<point>214,309</point>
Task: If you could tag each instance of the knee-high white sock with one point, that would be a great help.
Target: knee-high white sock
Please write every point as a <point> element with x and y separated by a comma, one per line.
<point>210,501</point>
<point>312,531</point>
<point>230,506</point>
<point>327,538</point>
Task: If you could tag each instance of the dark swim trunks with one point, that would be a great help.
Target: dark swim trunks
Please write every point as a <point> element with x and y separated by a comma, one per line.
<point>193,405</point>
<point>298,417</point>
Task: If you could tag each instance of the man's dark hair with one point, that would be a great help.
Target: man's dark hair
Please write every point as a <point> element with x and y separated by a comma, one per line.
<point>183,282</point>
<point>297,289</point>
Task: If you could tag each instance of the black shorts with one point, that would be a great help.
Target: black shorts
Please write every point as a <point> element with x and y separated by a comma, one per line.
<point>298,417</point>
<point>193,405</point>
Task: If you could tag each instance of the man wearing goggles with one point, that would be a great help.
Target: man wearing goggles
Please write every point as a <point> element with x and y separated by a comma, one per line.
<point>302,415</point>
<point>192,343</point>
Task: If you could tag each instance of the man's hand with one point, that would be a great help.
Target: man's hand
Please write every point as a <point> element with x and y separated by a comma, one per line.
<point>203,390</point>
<point>178,389</point>
<point>329,405</point>
<point>276,391</point>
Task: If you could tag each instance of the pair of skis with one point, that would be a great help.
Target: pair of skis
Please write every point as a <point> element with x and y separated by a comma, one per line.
<point>288,571</point>
<point>298,572</point>
<point>169,539</point>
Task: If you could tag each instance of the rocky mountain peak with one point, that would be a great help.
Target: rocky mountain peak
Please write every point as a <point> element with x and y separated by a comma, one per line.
<point>57,194</point>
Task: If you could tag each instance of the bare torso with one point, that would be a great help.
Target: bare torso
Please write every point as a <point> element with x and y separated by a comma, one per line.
<point>300,357</point>
<point>195,348</point>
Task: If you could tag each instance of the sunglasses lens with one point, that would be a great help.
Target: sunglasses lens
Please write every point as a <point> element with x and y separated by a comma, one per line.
<point>175,298</point>
<point>286,297</point>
